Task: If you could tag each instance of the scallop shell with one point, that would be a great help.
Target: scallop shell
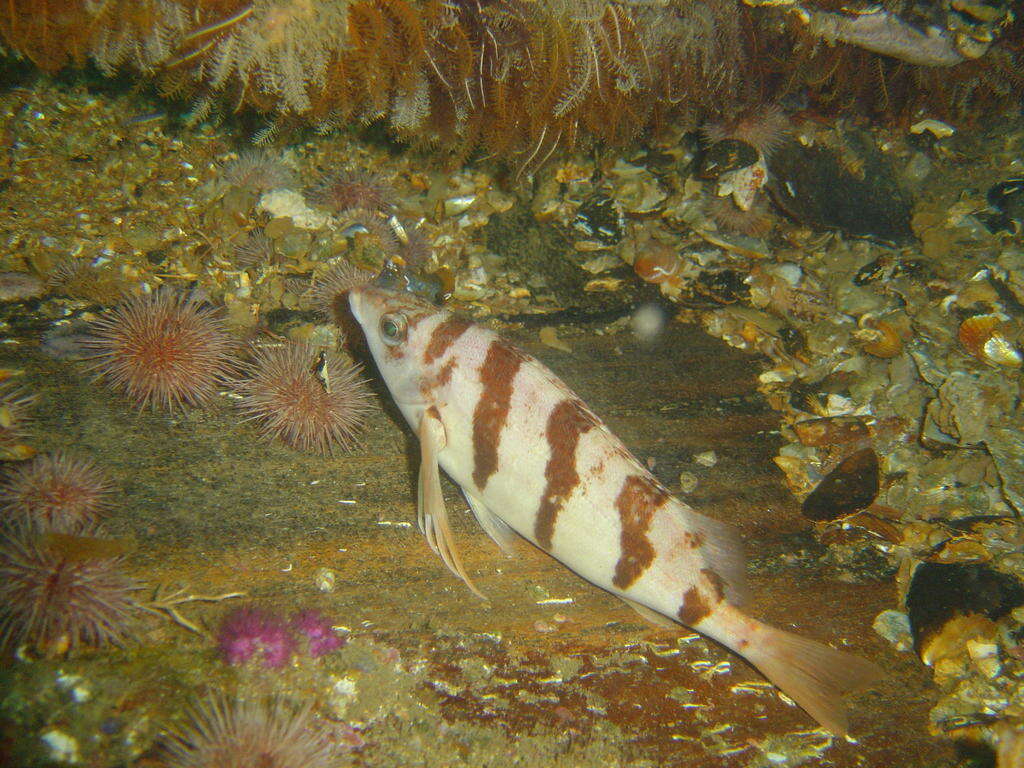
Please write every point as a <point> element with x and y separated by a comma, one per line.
<point>883,336</point>
<point>985,337</point>
<point>659,265</point>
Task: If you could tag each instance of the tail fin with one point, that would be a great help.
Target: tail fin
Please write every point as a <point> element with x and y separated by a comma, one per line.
<point>814,675</point>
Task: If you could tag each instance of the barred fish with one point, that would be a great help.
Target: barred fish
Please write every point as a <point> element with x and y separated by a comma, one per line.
<point>534,461</point>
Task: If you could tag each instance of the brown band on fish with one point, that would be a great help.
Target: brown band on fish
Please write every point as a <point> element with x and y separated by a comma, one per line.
<point>443,336</point>
<point>446,373</point>
<point>693,540</point>
<point>496,375</point>
<point>694,608</point>
<point>568,421</point>
<point>716,582</point>
<point>637,502</point>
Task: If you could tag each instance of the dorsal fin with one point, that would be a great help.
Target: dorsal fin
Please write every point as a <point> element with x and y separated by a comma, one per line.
<point>722,550</point>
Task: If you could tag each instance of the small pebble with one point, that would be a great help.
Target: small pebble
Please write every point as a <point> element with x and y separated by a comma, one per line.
<point>63,748</point>
<point>687,482</point>
<point>706,459</point>
<point>18,286</point>
<point>894,627</point>
<point>324,578</point>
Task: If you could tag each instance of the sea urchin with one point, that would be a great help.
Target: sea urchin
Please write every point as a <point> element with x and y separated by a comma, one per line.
<point>55,601</point>
<point>55,492</point>
<point>164,349</point>
<point>345,190</point>
<point>14,415</point>
<point>763,126</point>
<point>311,399</point>
<point>238,734</point>
<point>330,292</point>
<point>258,171</point>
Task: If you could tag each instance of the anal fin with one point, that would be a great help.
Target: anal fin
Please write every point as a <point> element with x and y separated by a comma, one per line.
<point>650,615</point>
<point>432,515</point>
<point>494,526</point>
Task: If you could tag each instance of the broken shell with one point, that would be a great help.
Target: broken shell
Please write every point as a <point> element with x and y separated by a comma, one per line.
<point>831,431</point>
<point>743,184</point>
<point>640,196</point>
<point>603,284</point>
<point>453,206</point>
<point>571,172</point>
<point>936,128</point>
<point>985,337</point>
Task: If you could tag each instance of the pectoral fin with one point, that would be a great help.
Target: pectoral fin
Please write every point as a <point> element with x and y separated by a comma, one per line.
<point>432,515</point>
<point>493,525</point>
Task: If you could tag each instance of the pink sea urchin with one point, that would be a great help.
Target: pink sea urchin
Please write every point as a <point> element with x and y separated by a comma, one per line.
<point>311,399</point>
<point>164,349</point>
<point>247,633</point>
<point>247,734</point>
<point>55,492</point>
<point>55,601</point>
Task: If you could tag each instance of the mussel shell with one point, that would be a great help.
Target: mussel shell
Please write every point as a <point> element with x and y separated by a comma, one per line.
<point>850,487</point>
<point>941,592</point>
<point>724,156</point>
<point>1007,197</point>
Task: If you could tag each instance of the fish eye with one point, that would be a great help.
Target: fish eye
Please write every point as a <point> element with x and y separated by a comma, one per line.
<point>393,328</point>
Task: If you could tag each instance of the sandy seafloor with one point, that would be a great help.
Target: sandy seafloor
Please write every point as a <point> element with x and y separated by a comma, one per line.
<point>550,671</point>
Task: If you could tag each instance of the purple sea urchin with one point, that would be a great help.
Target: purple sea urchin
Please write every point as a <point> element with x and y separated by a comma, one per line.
<point>349,190</point>
<point>14,407</point>
<point>378,229</point>
<point>335,284</point>
<point>54,601</point>
<point>259,171</point>
<point>764,127</point>
<point>165,349</point>
<point>249,632</point>
<point>55,492</point>
<point>310,399</point>
<point>241,734</point>
<point>254,250</point>
<point>755,222</point>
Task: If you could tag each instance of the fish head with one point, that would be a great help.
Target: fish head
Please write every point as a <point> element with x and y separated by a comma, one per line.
<point>398,327</point>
